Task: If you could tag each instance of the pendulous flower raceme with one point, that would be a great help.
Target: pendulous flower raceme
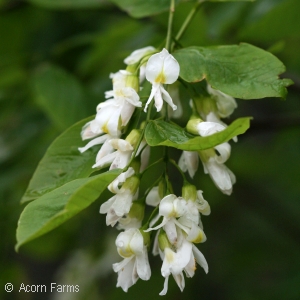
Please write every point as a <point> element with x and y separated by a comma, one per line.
<point>167,112</point>
<point>174,227</point>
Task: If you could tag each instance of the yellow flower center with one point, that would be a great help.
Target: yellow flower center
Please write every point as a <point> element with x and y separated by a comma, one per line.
<point>161,78</point>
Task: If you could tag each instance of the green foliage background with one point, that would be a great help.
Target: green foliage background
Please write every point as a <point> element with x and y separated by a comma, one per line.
<point>55,58</point>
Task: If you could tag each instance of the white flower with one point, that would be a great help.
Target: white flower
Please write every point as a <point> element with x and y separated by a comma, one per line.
<point>189,161</point>
<point>225,103</point>
<point>106,121</point>
<point>122,96</point>
<point>127,222</point>
<point>162,68</point>
<point>179,213</point>
<point>201,204</point>
<point>98,140</point>
<point>184,259</point>
<point>209,128</point>
<point>137,55</point>
<point>114,186</point>
<point>117,159</point>
<point>219,173</point>
<point>130,245</point>
<point>119,205</point>
<point>213,159</point>
<point>170,208</point>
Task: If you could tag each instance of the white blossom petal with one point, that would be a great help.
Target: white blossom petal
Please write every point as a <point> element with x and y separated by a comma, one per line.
<point>209,128</point>
<point>162,68</point>
<point>137,55</point>
<point>200,259</point>
<point>96,141</point>
<point>153,197</point>
<point>166,96</point>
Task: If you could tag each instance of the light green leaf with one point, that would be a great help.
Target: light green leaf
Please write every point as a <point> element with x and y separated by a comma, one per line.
<point>61,163</point>
<point>61,95</point>
<point>68,4</point>
<point>142,8</point>
<point>56,207</point>
<point>242,71</point>
<point>161,133</point>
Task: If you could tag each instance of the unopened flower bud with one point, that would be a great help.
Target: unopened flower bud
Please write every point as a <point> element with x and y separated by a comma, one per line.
<point>163,240</point>
<point>189,192</point>
<point>205,105</point>
<point>132,183</point>
<point>137,210</point>
<point>192,125</point>
<point>146,236</point>
<point>133,137</point>
<point>133,81</point>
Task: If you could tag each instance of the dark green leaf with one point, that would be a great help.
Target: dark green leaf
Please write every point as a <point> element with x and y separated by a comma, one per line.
<point>56,207</point>
<point>161,133</point>
<point>242,71</point>
<point>68,4</point>
<point>61,95</point>
<point>61,163</point>
<point>142,8</point>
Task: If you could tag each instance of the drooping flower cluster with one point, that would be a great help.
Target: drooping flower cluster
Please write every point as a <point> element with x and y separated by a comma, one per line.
<point>180,228</point>
<point>177,226</point>
<point>211,110</point>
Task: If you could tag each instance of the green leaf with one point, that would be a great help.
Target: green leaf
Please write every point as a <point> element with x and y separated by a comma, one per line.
<point>68,4</point>
<point>242,71</point>
<point>56,207</point>
<point>61,95</point>
<point>142,8</point>
<point>161,133</point>
<point>61,163</point>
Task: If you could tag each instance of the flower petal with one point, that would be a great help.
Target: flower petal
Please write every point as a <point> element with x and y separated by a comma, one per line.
<point>137,55</point>
<point>200,259</point>
<point>165,289</point>
<point>96,141</point>
<point>166,96</point>
<point>143,267</point>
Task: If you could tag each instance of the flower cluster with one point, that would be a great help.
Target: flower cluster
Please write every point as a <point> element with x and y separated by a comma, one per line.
<point>180,228</point>
<point>175,226</point>
<point>211,110</point>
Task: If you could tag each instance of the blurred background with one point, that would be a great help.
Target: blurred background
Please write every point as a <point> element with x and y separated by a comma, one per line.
<point>55,59</point>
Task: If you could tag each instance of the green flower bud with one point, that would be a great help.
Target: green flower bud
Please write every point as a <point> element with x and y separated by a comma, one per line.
<point>133,82</point>
<point>205,105</point>
<point>206,154</point>
<point>136,164</point>
<point>146,236</point>
<point>191,126</point>
<point>133,137</point>
<point>132,183</point>
<point>163,240</point>
<point>189,192</point>
<point>137,210</point>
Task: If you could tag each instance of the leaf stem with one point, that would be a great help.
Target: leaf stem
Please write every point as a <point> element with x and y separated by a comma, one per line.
<point>179,170</point>
<point>153,164</point>
<point>170,24</point>
<point>187,21</point>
